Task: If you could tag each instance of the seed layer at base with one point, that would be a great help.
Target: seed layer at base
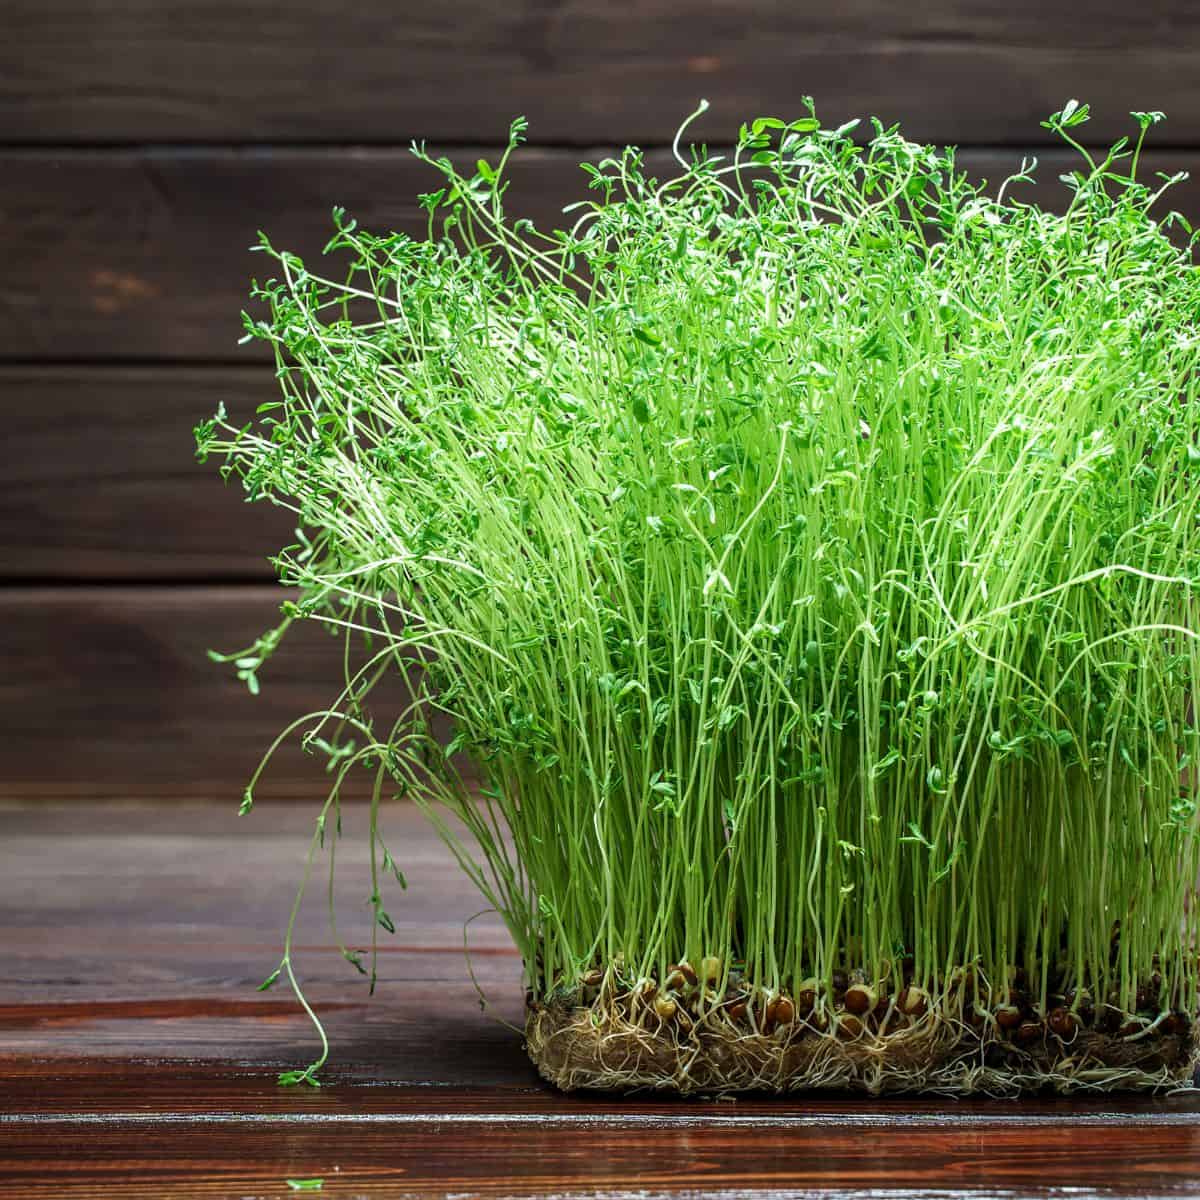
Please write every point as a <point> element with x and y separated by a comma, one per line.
<point>593,1047</point>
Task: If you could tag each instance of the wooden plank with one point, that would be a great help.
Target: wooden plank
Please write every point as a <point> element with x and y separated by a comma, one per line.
<point>98,480</point>
<point>165,915</point>
<point>137,70</point>
<point>143,254</point>
<point>151,1157</point>
<point>133,1037</point>
<point>108,691</point>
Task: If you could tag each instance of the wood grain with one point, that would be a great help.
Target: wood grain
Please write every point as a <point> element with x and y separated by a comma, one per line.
<point>98,480</point>
<point>138,1061</point>
<point>432,1157</point>
<point>581,70</point>
<point>144,254</point>
<point>108,691</point>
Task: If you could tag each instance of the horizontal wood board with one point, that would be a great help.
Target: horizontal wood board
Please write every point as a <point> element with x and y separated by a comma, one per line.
<point>138,1060</point>
<point>99,481</point>
<point>582,71</point>
<point>144,254</point>
<point>108,691</point>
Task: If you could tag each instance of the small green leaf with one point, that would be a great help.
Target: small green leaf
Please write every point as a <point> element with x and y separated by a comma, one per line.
<point>885,764</point>
<point>915,835</point>
<point>389,864</point>
<point>1073,113</point>
<point>292,1078</point>
<point>305,1185</point>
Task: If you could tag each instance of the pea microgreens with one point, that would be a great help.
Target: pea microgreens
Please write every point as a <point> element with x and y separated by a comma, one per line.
<point>803,550</point>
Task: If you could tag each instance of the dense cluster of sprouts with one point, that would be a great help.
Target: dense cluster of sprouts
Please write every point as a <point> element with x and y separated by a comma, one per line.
<point>802,552</point>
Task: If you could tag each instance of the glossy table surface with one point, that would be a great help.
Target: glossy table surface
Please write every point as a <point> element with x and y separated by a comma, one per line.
<point>137,1058</point>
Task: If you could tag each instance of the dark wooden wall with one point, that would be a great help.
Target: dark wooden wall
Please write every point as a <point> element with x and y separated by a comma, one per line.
<point>142,144</point>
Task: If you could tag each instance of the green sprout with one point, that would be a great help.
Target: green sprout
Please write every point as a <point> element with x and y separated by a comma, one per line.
<point>801,553</point>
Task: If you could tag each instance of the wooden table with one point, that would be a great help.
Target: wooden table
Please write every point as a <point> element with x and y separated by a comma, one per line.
<point>136,1058</point>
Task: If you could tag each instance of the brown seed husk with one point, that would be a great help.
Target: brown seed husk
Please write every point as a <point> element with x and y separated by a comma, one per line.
<point>613,1046</point>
